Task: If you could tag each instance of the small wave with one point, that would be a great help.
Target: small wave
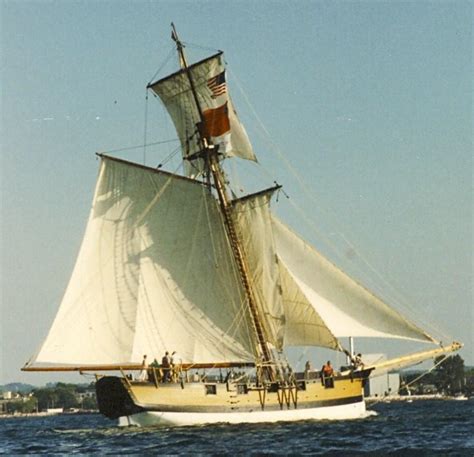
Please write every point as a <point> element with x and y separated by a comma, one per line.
<point>69,431</point>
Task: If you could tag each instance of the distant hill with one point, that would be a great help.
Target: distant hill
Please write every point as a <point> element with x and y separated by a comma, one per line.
<point>17,387</point>
<point>27,388</point>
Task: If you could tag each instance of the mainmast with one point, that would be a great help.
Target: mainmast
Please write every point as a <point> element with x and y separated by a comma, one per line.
<point>184,65</point>
<point>209,153</point>
<point>180,46</point>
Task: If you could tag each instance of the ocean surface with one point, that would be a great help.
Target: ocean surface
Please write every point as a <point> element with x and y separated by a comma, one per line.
<point>420,428</point>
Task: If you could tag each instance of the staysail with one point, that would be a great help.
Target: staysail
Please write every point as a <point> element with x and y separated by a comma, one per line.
<point>303,324</point>
<point>154,274</point>
<point>347,308</point>
<point>221,124</point>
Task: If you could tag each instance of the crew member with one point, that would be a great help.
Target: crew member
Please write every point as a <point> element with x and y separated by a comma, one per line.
<point>175,363</point>
<point>143,376</point>
<point>357,361</point>
<point>166,366</point>
<point>327,374</point>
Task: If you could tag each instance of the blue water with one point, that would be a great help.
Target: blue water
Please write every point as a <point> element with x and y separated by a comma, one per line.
<point>421,428</point>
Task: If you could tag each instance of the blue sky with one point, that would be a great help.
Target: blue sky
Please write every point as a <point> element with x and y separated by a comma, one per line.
<point>370,101</point>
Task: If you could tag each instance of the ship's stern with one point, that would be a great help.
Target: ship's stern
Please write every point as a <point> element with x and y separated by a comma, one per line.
<point>114,399</point>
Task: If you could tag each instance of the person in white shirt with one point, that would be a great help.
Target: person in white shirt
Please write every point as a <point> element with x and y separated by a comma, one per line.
<point>176,363</point>
<point>143,376</point>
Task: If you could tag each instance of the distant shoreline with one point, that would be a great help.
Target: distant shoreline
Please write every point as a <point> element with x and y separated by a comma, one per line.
<point>389,398</point>
<point>369,401</point>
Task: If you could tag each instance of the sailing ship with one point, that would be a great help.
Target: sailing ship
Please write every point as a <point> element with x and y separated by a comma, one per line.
<point>177,262</point>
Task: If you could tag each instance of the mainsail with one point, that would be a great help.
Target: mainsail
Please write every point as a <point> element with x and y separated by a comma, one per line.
<point>220,125</point>
<point>154,273</point>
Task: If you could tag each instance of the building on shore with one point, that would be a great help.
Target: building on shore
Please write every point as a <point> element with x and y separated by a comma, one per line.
<point>384,385</point>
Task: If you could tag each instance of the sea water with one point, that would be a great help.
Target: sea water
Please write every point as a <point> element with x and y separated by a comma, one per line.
<point>419,428</point>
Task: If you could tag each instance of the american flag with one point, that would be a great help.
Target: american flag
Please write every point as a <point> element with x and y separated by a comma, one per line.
<point>217,85</point>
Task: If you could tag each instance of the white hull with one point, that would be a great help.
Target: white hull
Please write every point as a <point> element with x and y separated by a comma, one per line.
<point>150,418</point>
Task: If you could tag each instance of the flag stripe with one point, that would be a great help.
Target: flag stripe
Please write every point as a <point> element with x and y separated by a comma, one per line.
<point>217,84</point>
<point>216,121</point>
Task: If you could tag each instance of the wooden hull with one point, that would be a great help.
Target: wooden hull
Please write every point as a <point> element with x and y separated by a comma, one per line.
<point>138,403</point>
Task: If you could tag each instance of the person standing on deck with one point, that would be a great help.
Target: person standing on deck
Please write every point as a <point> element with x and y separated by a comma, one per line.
<point>154,372</point>
<point>175,363</point>
<point>166,366</point>
<point>327,374</point>
<point>143,376</point>
<point>357,361</point>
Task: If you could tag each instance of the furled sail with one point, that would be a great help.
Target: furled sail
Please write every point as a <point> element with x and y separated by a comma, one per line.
<point>221,125</point>
<point>347,308</point>
<point>288,316</point>
<point>155,273</point>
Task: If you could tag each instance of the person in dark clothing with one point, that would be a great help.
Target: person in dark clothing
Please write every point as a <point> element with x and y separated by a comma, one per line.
<point>166,367</point>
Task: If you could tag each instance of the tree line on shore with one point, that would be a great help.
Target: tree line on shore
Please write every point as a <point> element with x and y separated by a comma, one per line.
<point>59,395</point>
<point>449,377</point>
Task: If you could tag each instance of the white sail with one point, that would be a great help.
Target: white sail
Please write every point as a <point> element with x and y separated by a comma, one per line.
<point>303,325</point>
<point>287,314</point>
<point>253,224</point>
<point>347,308</point>
<point>154,273</point>
<point>221,127</point>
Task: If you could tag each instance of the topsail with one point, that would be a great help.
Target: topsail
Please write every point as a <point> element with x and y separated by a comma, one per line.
<point>220,124</point>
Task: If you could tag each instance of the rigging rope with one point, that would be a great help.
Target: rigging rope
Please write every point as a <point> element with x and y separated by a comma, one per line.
<point>240,312</point>
<point>145,131</point>
<point>197,46</point>
<point>167,59</point>
<point>140,146</point>
<point>169,157</point>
